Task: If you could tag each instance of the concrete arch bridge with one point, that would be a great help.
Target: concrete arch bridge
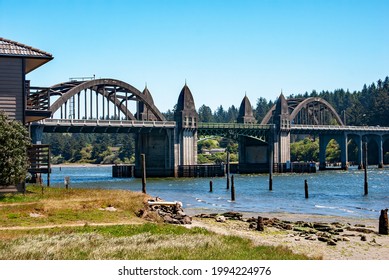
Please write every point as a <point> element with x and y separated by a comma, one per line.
<point>113,106</point>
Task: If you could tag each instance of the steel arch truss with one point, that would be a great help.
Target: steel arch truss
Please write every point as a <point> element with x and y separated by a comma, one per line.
<point>234,130</point>
<point>112,91</point>
<point>309,111</point>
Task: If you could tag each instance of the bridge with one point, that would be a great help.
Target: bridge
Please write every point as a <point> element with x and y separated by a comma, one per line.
<point>113,106</point>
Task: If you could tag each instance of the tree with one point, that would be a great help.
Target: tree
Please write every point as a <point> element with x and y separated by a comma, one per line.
<point>14,142</point>
<point>205,114</point>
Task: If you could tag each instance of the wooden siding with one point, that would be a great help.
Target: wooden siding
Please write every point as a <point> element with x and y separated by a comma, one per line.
<point>11,87</point>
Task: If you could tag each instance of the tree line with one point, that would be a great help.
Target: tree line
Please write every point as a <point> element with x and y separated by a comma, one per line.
<point>368,106</point>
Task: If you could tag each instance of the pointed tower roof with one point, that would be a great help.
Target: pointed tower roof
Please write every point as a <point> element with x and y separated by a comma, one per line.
<point>143,112</point>
<point>147,93</point>
<point>281,106</point>
<point>34,57</point>
<point>246,112</point>
<point>185,100</point>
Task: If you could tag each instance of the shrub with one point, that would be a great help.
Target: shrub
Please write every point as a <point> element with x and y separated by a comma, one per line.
<point>14,141</point>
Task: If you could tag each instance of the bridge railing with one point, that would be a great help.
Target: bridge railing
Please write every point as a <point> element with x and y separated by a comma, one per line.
<point>96,122</point>
<point>232,125</point>
<point>38,98</point>
<point>339,127</point>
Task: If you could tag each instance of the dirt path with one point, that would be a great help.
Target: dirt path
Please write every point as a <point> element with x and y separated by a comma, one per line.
<point>81,224</point>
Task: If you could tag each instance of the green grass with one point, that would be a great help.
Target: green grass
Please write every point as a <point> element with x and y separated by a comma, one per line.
<point>139,240</point>
<point>136,242</point>
<point>60,206</point>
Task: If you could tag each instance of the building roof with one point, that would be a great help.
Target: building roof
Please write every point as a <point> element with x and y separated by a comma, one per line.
<point>34,57</point>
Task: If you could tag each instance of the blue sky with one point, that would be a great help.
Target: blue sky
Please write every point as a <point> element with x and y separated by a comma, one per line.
<point>221,48</point>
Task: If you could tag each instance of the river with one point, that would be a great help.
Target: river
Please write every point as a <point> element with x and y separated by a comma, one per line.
<point>337,193</point>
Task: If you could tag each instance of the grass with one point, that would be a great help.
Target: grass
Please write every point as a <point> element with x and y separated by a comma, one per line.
<point>140,240</point>
<point>58,206</point>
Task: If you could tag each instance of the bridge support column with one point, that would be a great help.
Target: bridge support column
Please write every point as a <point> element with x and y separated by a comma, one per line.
<point>158,147</point>
<point>380,152</point>
<point>36,134</point>
<point>360,153</point>
<point>253,155</point>
<point>323,142</point>
<point>343,151</point>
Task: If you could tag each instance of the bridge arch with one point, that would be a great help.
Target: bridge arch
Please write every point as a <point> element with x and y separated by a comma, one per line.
<point>296,106</point>
<point>111,89</point>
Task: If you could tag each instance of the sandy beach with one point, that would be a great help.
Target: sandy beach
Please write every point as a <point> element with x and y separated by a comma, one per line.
<point>366,244</point>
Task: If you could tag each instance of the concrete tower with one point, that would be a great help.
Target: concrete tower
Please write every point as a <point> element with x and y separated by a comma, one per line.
<point>143,113</point>
<point>282,131</point>
<point>252,152</point>
<point>186,118</point>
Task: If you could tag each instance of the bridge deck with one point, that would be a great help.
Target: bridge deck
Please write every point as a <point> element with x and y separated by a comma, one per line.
<point>306,129</point>
<point>102,126</point>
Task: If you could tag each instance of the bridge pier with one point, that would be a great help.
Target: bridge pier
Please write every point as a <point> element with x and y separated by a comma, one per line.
<point>158,147</point>
<point>282,133</point>
<point>360,153</point>
<point>341,139</point>
<point>343,151</point>
<point>380,153</point>
<point>36,133</point>
<point>253,154</point>
<point>186,117</point>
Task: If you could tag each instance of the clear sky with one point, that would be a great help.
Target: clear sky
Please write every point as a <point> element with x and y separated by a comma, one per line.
<point>221,48</point>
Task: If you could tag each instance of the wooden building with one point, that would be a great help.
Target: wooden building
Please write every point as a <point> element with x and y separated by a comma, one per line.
<point>17,60</point>
<point>19,102</point>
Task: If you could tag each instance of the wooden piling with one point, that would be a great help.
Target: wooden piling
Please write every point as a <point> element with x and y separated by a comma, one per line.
<point>383,222</point>
<point>228,170</point>
<point>210,186</point>
<point>260,225</point>
<point>232,188</point>
<point>67,182</point>
<point>306,188</point>
<point>143,160</point>
<point>366,184</point>
<point>271,165</point>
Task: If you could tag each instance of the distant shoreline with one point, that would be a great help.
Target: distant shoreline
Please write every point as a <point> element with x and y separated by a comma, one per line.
<point>80,165</point>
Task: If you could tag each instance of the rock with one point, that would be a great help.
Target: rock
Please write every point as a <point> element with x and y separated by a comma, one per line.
<point>187,220</point>
<point>311,237</point>
<point>233,215</point>
<point>168,219</point>
<point>253,225</point>
<point>331,242</point>
<point>297,239</point>
<point>363,238</point>
<point>171,213</point>
<point>345,239</point>
<point>324,234</point>
<point>359,225</point>
<point>35,215</point>
<point>337,225</point>
<point>220,219</point>
<point>181,213</point>
<point>322,239</point>
<point>363,230</point>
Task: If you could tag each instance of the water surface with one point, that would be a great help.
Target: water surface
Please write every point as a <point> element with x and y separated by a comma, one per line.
<point>338,193</point>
